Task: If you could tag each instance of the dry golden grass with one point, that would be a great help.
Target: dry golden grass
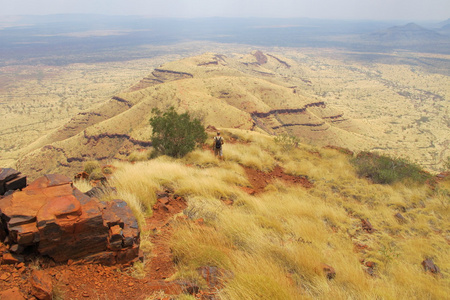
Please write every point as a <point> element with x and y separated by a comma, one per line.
<point>275,242</point>
<point>82,185</point>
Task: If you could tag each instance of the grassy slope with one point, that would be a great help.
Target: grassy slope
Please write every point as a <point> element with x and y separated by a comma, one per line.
<point>274,242</point>
<point>223,94</point>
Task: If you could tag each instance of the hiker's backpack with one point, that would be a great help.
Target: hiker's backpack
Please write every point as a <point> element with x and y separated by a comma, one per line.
<point>218,142</point>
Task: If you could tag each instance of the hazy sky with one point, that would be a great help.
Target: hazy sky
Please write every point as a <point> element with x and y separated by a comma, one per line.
<point>328,9</point>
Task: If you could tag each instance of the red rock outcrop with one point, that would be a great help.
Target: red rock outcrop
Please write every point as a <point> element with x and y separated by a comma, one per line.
<point>260,57</point>
<point>10,180</point>
<point>56,219</point>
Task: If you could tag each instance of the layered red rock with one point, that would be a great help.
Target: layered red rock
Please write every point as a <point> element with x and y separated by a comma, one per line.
<point>10,180</point>
<point>63,223</point>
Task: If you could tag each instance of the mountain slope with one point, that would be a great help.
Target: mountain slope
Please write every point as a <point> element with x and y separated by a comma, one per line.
<point>252,92</point>
<point>281,239</point>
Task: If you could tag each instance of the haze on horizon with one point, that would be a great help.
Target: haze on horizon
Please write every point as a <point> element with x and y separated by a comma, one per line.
<point>321,9</point>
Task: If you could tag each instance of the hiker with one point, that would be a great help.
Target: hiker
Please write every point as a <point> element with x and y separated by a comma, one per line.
<point>218,142</point>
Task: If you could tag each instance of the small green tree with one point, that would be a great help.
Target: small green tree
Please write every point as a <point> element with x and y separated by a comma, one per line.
<point>176,134</point>
<point>287,142</point>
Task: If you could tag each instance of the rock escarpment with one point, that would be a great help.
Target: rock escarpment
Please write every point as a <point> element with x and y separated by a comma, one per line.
<point>54,219</point>
<point>10,180</point>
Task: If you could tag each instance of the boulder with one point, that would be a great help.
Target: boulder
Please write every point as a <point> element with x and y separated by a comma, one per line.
<point>117,212</point>
<point>329,271</point>
<point>12,259</point>
<point>11,294</point>
<point>17,183</point>
<point>367,227</point>
<point>41,285</point>
<point>215,277</point>
<point>400,218</point>
<point>63,223</point>
<point>429,266</point>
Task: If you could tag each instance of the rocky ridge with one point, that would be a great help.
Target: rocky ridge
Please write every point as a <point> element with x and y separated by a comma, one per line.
<point>51,218</point>
<point>258,91</point>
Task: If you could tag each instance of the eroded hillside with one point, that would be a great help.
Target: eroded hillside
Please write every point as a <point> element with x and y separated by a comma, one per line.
<point>325,98</point>
<point>249,92</point>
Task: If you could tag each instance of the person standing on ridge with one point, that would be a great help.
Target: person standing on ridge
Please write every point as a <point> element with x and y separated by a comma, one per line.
<point>218,142</point>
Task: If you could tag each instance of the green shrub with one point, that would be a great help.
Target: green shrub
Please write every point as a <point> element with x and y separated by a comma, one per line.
<point>96,174</point>
<point>387,170</point>
<point>107,170</point>
<point>138,156</point>
<point>176,134</point>
<point>91,165</point>
<point>287,142</point>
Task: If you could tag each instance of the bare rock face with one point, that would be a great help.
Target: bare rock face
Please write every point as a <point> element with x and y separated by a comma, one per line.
<point>10,180</point>
<point>260,57</point>
<point>55,218</point>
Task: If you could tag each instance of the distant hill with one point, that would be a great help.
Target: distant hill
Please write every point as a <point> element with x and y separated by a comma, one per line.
<point>445,30</point>
<point>444,23</point>
<point>256,92</point>
<point>408,34</point>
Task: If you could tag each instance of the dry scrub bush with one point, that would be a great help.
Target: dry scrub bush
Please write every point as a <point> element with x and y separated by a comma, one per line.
<point>91,165</point>
<point>82,185</point>
<point>138,270</point>
<point>139,156</point>
<point>322,165</point>
<point>250,156</point>
<point>96,174</point>
<point>202,159</point>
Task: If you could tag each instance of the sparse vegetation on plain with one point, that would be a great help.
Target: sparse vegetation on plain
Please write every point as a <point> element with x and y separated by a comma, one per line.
<point>276,242</point>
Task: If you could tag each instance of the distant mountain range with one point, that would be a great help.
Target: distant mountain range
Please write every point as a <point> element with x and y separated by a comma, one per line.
<point>76,38</point>
<point>409,37</point>
<point>444,23</point>
<point>445,30</point>
<point>410,33</point>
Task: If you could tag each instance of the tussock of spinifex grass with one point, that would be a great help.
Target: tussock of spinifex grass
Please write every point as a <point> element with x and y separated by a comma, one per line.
<point>275,243</point>
<point>82,185</point>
